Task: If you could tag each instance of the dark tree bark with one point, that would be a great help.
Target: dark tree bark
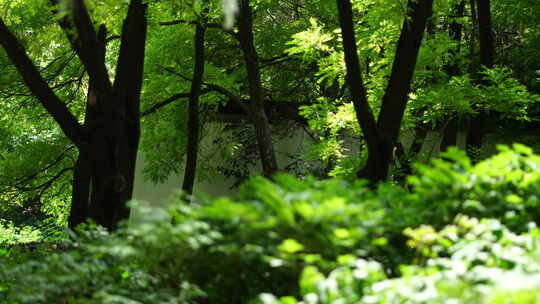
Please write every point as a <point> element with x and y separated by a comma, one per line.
<point>113,186</point>
<point>396,94</point>
<point>472,38</point>
<point>80,195</point>
<point>256,105</point>
<point>82,173</point>
<point>364,114</point>
<point>108,141</point>
<point>456,33</point>
<point>452,69</point>
<point>193,119</point>
<point>39,87</point>
<point>449,138</point>
<point>476,133</point>
<point>487,51</point>
<point>420,134</point>
<point>382,139</point>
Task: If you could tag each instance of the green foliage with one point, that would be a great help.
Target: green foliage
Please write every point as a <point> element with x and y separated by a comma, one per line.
<point>144,266</point>
<point>483,262</point>
<point>332,241</point>
<point>461,98</point>
<point>319,241</point>
<point>504,186</point>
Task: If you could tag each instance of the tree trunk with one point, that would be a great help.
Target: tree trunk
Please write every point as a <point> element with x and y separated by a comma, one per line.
<point>108,142</point>
<point>112,124</point>
<point>452,69</point>
<point>476,133</point>
<point>396,94</point>
<point>472,67</point>
<point>456,32</point>
<point>381,137</point>
<point>364,114</point>
<point>420,134</point>
<point>193,119</point>
<point>449,138</point>
<point>258,115</point>
<point>487,51</point>
<point>80,191</point>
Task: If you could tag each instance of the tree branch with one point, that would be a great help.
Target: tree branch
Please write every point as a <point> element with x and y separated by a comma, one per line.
<point>48,183</point>
<point>205,25</point>
<point>129,69</point>
<point>80,32</point>
<point>163,103</point>
<point>233,97</point>
<point>39,87</point>
<point>213,87</point>
<point>57,160</point>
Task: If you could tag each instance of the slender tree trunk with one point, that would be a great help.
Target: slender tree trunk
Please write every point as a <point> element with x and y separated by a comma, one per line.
<point>452,69</point>
<point>449,138</point>
<point>456,33</point>
<point>420,134</point>
<point>487,51</point>
<point>381,137</point>
<point>472,41</point>
<point>476,133</point>
<point>80,191</point>
<point>259,118</point>
<point>396,94</point>
<point>364,114</point>
<point>193,119</point>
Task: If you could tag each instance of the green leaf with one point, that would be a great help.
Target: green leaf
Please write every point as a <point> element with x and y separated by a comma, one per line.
<point>309,279</point>
<point>290,246</point>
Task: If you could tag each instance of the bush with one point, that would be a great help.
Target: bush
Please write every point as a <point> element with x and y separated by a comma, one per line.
<point>505,186</point>
<point>142,265</point>
<point>319,241</point>
<point>483,262</point>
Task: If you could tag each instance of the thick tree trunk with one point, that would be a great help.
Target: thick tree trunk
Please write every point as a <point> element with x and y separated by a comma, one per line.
<point>112,124</point>
<point>128,85</point>
<point>108,143</point>
<point>193,118</point>
<point>476,133</point>
<point>258,115</point>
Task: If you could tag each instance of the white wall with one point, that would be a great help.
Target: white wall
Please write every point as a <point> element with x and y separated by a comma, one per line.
<point>158,195</point>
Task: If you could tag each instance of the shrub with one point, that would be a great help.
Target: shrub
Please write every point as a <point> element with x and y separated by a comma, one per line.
<point>319,241</point>
<point>505,186</point>
<point>483,262</point>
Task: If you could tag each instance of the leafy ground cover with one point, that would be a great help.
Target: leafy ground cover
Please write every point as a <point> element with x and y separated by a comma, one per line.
<point>457,232</point>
